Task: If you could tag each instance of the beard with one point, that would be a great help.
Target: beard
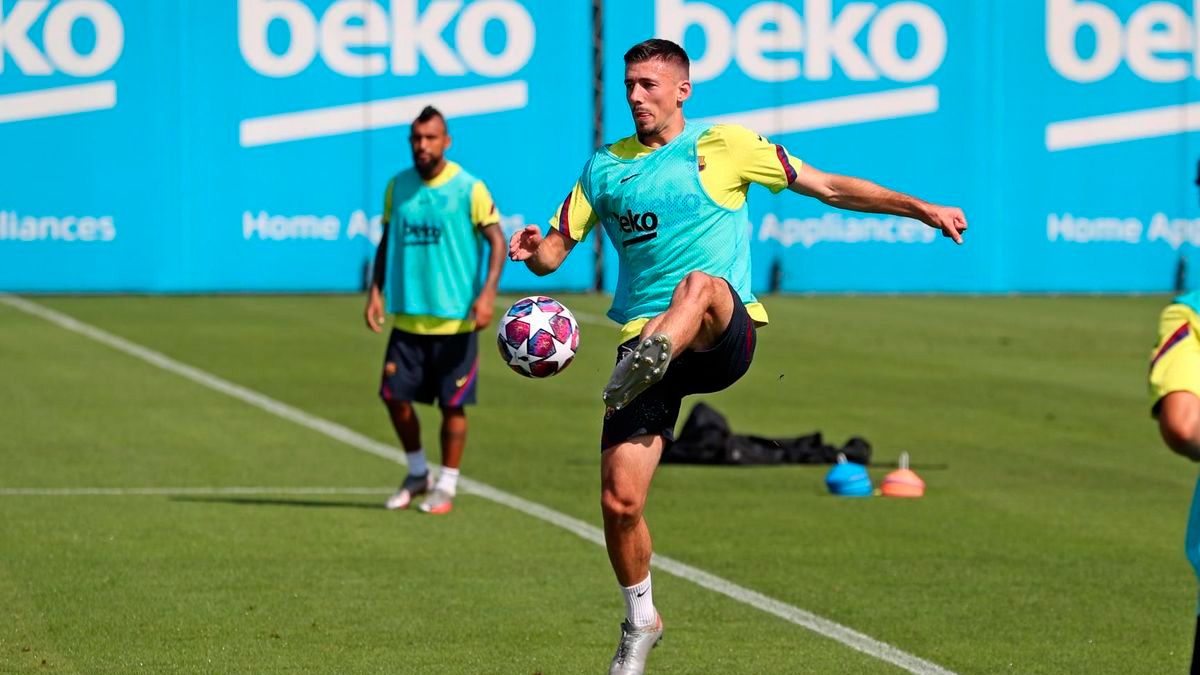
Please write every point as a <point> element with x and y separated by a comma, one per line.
<point>426,165</point>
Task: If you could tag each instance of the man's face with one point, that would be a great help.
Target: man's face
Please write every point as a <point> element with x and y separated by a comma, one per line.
<point>428,141</point>
<point>655,90</point>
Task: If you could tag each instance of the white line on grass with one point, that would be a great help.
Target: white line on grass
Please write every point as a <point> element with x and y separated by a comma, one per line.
<point>820,625</point>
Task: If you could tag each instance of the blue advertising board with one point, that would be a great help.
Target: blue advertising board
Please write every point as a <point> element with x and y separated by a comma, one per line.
<point>1100,154</point>
<point>245,146</point>
<point>1001,108</point>
<point>85,196</point>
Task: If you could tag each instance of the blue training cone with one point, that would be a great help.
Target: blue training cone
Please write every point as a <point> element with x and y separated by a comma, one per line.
<point>847,479</point>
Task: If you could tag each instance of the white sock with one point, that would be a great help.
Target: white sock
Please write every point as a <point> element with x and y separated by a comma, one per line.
<point>416,463</point>
<point>448,480</point>
<point>639,603</point>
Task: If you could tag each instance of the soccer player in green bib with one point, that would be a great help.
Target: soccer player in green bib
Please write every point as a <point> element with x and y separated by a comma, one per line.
<point>1175,403</point>
<point>672,198</point>
<point>436,217</point>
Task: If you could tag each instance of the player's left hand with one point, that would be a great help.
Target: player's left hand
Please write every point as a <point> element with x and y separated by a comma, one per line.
<point>483,309</point>
<point>950,220</point>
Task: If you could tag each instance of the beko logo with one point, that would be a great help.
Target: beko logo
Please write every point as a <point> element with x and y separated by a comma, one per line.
<point>365,38</point>
<point>825,38</point>
<point>774,42</point>
<point>1159,43</point>
<point>58,54</point>
<point>395,39</point>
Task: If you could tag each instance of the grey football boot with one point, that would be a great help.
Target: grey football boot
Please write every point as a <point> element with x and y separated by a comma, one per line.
<point>634,647</point>
<point>411,487</point>
<point>644,365</point>
<point>438,502</point>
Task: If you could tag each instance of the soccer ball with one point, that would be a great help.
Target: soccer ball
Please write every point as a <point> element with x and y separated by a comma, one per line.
<point>538,336</point>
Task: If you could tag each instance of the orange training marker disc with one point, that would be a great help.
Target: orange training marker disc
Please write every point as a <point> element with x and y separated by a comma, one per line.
<point>903,482</point>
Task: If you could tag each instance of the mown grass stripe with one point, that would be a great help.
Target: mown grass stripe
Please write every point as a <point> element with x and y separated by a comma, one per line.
<point>817,624</point>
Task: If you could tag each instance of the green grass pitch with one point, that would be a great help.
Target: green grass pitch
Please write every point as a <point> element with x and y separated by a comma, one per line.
<point>1050,540</point>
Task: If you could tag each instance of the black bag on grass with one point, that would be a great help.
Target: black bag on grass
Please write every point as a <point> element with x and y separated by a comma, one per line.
<point>707,439</point>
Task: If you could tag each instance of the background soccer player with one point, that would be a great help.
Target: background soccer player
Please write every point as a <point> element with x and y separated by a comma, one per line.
<point>672,198</point>
<point>1175,396</point>
<point>435,219</point>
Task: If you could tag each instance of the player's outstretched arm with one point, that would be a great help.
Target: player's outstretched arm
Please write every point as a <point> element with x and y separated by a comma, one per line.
<point>542,255</point>
<point>856,194</point>
<point>374,313</point>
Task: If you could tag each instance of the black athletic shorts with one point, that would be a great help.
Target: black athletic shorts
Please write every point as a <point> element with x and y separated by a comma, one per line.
<point>656,410</point>
<point>426,367</point>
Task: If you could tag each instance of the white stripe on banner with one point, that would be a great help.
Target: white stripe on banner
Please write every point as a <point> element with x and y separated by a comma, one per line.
<point>77,98</point>
<point>836,112</point>
<point>1119,127</point>
<point>800,617</point>
<point>381,114</point>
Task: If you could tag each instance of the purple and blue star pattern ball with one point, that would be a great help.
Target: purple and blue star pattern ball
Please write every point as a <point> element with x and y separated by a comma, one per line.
<point>538,336</point>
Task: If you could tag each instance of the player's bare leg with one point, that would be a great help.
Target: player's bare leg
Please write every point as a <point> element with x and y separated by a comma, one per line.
<point>625,473</point>
<point>1179,423</point>
<point>408,428</point>
<point>626,470</point>
<point>700,310</point>
<point>454,440</point>
<point>454,436</point>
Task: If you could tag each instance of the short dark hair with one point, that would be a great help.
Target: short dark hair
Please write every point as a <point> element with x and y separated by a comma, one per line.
<point>431,113</point>
<point>657,48</point>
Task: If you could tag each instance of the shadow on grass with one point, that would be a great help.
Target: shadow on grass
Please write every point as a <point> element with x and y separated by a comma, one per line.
<point>275,501</point>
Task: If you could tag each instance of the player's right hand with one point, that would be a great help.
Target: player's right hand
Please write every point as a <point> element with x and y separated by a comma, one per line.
<point>374,311</point>
<point>524,243</point>
<point>950,220</point>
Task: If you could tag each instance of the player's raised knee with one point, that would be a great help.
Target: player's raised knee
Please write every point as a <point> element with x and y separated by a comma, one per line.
<point>697,285</point>
<point>698,279</point>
